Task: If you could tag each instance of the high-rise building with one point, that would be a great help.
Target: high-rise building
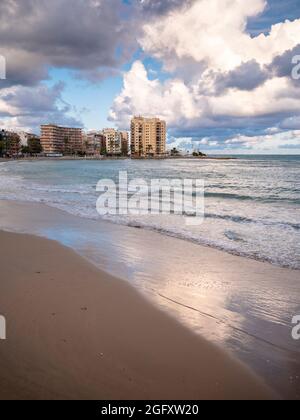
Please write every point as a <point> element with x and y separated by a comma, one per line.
<point>125,142</point>
<point>55,139</point>
<point>10,143</point>
<point>113,141</point>
<point>94,143</point>
<point>148,137</point>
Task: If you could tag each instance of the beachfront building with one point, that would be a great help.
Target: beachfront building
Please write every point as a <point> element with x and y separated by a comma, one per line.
<point>94,143</point>
<point>30,143</point>
<point>56,139</point>
<point>148,137</point>
<point>26,138</point>
<point>113,141</point>
<point>124,142</point>
<point>106,142</point>
<point>10,143</point>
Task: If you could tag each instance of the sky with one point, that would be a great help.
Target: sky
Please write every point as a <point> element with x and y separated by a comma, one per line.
<point>224,74</point>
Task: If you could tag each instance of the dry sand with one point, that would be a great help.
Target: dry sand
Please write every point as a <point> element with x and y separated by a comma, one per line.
<point>74,332</point>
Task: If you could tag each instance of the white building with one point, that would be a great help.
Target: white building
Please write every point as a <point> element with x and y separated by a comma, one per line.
<point>24,137</point>
<point>113,140</point>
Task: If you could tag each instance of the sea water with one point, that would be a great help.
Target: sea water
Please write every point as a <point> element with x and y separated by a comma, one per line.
<point>252,203</point>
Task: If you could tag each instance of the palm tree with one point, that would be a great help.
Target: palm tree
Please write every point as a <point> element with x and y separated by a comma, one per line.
<point>174,152</point>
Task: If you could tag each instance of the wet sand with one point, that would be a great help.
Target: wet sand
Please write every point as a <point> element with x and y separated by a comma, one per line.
<point>74,332</point>
<point>241,305</point>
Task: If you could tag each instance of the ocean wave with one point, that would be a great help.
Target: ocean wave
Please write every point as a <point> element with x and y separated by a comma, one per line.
<point>83,191</point>
<point>89,212</point>
<point>291,264</point>
<point>242,219</point>
<point>266,199</point>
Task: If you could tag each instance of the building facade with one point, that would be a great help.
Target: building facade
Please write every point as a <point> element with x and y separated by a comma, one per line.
<point>113,141</point>
<point>94,143</point>
<point>124,142</point>
<point>10,143</point>
<point>25,137</point>
<point>148,137</point>
<point>55,139</point>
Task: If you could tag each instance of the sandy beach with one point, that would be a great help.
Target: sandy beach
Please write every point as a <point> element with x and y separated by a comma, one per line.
<point>242,306</point>
<point>74,332</point>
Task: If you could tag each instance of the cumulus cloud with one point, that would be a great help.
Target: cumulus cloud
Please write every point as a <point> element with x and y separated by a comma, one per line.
<point>281,64</point>
<point>159,7</point>
<point>268,143</point>
<point>214,31</point>
<point>221,79</point>
<point>81,35</point>
<point>247,76</point>
<point>184,107</point>
<point>166,100</point>
<point>91,37</point>
<point>26,108</point>
<point>88,37</point>
<point>291,123</point>
<point>190,144</point>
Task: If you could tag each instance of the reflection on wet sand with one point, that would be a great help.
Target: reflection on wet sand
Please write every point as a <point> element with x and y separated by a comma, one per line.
<point>243,305</point>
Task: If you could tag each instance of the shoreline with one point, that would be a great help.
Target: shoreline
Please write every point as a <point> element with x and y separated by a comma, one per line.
<point>165,233</point>
<point>233,303</point>
<point>75,332</point>
<point>105,158</point>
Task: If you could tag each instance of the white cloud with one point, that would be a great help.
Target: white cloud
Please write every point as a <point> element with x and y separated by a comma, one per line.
<point>141,95</point>
<point>206,46</point>
<point>182,106</point>
<point>281,143</point>
<point>25,108</point>
<point>274,96</point>
<point>87,36</point>
<point>214,31</point>
<point>267,143</point>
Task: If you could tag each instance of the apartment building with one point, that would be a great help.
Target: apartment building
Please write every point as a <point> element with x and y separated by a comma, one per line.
<point>10,143</point>
<point>56,139</point>
<point>113,141</point>
<point>94,143</point>
<point>125,142</point>
<point>148,137</point>
<point>25,137</point>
